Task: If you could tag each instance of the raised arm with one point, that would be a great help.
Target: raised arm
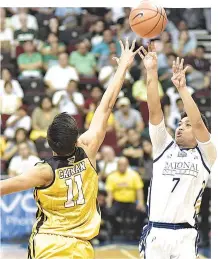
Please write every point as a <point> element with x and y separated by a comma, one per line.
<point>40,175</point>
<point>154,105</point>
<point>200,131</point>
<point>92,139</point>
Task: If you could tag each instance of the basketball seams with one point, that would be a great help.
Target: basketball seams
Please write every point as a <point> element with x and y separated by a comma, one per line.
<point>144,20</point>
<point>155,24</point>
<point>151,10</point>
<point>162,21</point>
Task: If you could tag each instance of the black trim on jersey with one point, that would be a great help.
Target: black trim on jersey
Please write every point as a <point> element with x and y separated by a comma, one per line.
<point>203,160</point>
<point>149,201</point>
<point>187,148</point>
<point>156,159</point>
<point>34,252</point>
<point>92,165</point>
<point>47,186</point>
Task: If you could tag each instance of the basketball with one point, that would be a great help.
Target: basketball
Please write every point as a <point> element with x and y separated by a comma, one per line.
<point>148,20</point>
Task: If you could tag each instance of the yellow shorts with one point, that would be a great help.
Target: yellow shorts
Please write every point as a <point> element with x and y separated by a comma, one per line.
<point>46,246</point>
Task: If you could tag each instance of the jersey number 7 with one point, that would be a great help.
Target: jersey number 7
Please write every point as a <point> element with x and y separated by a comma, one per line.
<point>177,181</point>
<point>80,201</point>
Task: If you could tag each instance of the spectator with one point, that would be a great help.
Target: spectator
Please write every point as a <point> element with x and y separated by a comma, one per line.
<point>105,230</point>
<point>9,102</point>
<point>175,117</point>
<point>31,20</point>
<point>103,47</point>
<point>185,44</point>
<point>125,193</point>
<point>11,148</point>
<point>16,88</point>
<point>162,55</point>
<point>108,19</point>
<point>127,117</point>
<point>23,162</point>
<point>30,62</point>
<point>42,117</point>
<point>83,60</point>
<point>53,26</point>
<point>69,100</point>
<point>93,101</point>
<point>68,16</point>
<point>139,88</point>
<point>6,35</point>
<point>133,149</point>
<point>171,107</point>
<point>106,74</point>
<point>24,33</point>
<point>95,34</point>
<point>58,77</point>
<point>51,50</point>
<point>20,119</point>
<point>124,30</point>
<point>197,60</point>
<point>104,59</point>
<point>110,122</point>
<point>108,162</point>
<point>165,73</point>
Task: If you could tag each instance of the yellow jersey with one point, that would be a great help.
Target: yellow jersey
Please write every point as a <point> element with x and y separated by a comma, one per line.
<point>124,185</point>
<point>68,206</point>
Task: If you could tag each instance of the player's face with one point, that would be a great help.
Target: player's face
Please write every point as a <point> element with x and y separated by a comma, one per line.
<point>184,134</point>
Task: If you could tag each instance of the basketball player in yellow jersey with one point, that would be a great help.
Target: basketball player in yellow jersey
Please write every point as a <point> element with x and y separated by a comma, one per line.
<point>66,184</point>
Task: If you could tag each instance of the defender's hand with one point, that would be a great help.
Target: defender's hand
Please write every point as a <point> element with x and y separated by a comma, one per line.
<point>127,54</point>
<point>178,77</point>
<point>149,57</point>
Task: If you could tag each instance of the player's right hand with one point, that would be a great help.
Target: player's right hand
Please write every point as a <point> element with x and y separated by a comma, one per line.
<point>127,54</point>
<point>149,57</point>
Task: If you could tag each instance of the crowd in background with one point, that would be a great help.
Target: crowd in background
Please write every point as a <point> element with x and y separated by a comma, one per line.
<point>61,60</point>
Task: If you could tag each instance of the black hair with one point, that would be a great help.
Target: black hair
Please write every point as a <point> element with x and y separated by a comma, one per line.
<point>25,133</point>
<point>201,47</point>
<point>62,134</point>
<point>46,97</point>
<point>184,114</point>
<point>178,100</point>
<point>171,54</point>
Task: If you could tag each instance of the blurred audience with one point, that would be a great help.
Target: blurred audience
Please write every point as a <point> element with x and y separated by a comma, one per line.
<point>30,62</point>
<point>11,148</point>
<point>23,162</point>
<point>19,119</point>
<point>83,61</point>
<point>42,117</point>
<point>69,100</point>
<point>57,77</point>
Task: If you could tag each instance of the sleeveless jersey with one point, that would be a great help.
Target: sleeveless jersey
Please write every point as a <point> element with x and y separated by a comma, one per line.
<point>179,178</point>
<point>68,206</point>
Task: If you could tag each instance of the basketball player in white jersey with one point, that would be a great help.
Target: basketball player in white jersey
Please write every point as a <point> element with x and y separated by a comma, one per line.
<point>181,168</point>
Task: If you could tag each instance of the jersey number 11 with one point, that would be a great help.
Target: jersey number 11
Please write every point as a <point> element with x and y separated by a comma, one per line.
<point>80,201</point>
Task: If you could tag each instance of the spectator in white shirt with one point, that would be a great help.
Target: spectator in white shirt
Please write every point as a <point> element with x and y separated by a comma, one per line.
<point>58,77</point>
<point>31,20</point>
<point>69,100</point>
<point>23,162</point>
<point>106,74</point>
<point>18,120</point>
<point>6,34</point>
<point>9,102</point>
<point>16,88</point>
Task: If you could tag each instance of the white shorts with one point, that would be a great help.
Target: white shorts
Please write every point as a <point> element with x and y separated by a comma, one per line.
<point>163,243</point>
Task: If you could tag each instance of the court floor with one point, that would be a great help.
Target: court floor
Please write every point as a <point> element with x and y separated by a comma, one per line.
<point>105,252</point>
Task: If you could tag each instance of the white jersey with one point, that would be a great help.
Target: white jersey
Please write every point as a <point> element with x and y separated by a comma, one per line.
<point>179,177</point>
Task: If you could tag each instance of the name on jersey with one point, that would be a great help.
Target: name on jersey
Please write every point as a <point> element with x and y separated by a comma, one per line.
<point>68,172</point>
<point>185,168</point>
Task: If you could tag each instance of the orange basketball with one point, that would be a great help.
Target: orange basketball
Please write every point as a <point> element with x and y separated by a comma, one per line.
<point>148,20</point>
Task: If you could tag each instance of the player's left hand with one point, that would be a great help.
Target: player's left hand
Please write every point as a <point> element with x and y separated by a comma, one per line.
<point>178,78</point>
